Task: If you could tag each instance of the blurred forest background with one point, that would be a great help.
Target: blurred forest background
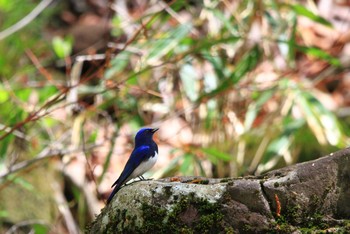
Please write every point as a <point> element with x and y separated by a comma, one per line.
<point>236,87</point>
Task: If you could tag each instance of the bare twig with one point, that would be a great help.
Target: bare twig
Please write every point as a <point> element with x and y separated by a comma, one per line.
<point>47,153</point>
<point>63,207</point>
<point>17,133</point>
<point>109,155</point>
<point>14,228</point>
<point>89,167</point>
<point>40,67</point>
<point>89,191</point>
<point>26,20</point>
<point>34,115</point>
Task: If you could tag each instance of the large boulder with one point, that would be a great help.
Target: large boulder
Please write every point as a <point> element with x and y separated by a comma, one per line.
<point>309,196</point>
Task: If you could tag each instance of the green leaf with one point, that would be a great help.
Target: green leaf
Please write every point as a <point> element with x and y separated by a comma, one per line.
<point>321,54</point>
<point>46,92</point>
<point>40,228</point>
<point>292,125</point>
<point>331,128</point>
<point>321,121</point>
<point>250,116</point>
<point>4,213</point>
<point>118,64</point>
<point>301,10</point>
<point>6,5</point>
<point>276,149</point>
<point>228,24</point>
<point>292,40</point>
<point>189,80</point>
<point>167,42</point>
<point>313,51</point>
<point>132,80</point>
<point>217,64</point>
<point>117,29</point>
<point>278,145</point>
<point>49,122</point>
<point>204,46</point>
<point>271,20</point>
<point>4,94</point>
<point>62,47</point>
<point>23,94</point>
<point>215,155</point>
<point>283,141</point>
<point>24,183</point>
<point>5,143</point>
<point>255,107</point>
<point>172,167</point>
<point>246,64</point>
<point>187,164</point>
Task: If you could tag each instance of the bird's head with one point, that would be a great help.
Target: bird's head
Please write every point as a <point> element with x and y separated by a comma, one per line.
<point>145,135</point>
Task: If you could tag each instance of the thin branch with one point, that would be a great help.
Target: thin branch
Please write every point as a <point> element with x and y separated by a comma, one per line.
<point>63,207</point>
<point>17,133</point>
<point>33,116</point>
<point>40,67</point>
<point>26,20</point>
<point>90,192</point>
<point>47,153</point>
<point>14,228</point>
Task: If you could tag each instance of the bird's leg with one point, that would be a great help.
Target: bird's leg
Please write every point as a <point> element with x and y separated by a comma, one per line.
<point>143,178</point>
<point>147,179</point>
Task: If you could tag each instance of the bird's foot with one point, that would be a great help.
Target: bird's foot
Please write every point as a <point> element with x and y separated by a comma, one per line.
<point>148,179</point>
<point>143,178</point>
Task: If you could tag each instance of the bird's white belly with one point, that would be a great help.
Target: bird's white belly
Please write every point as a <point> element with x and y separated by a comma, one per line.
<point>144,166</point>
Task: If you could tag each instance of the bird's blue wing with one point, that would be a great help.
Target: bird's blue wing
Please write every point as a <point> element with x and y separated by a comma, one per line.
<point>139,155</point>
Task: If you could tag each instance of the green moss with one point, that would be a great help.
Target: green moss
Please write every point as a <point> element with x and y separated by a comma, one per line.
<point>314,203</point>
<point>231,180</point>
<point>278,174</point>
<point>285,228</point>
<point>229,230</point>
<point>346,226</point>
<point>167,191</point>
<point>292,214</point>
<point>281,226</point>
<point>311,219</point>
<point>153,219</point>
<point>225,180</point>
<point>117,215</point>
<point>121,223</point>
<point>305,222</point>
<point>247,228</point>
<point>189,215</point>
<point>204,182</point>
<point>276,184</point>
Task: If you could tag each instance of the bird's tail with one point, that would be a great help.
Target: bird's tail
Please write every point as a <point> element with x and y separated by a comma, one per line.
<point>115,190</point>
<point>120,181</point>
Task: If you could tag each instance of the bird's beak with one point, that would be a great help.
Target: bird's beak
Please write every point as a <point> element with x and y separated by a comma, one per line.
<point>154,130</point>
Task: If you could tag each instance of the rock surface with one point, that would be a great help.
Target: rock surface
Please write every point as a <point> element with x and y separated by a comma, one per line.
<point>310,196</point>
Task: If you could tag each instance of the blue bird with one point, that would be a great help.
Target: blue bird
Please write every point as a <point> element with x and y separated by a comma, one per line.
<point>142,158</point>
